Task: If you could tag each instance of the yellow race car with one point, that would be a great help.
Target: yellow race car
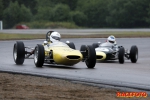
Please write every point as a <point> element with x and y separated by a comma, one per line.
<point>54,53</point>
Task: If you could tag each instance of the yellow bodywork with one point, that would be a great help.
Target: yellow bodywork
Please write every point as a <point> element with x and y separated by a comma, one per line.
<point>60,55</point>
<point>102,55</point>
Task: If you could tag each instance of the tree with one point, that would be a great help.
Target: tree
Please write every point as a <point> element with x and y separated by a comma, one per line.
<point>95,10</point>
<point>79,18</point>
<point>87,13</point>
<point>1,9</point>
<point>30,4</point>
<point>25,14</point>
<point>147,18</point>
<point>61,12</point>
<point>44,13</point>
<point>127,13</point>
<point>72,4</point>
<point>15,14</point>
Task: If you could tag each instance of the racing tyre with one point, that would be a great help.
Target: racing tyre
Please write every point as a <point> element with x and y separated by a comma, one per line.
<point>19,52</point>
<point>134,54</point>
<point>121,55</point>
<point>71,45</point>
<point>83,50</point>
<point>39,55</point>
<point>91,57</point>
<point>95,45</point>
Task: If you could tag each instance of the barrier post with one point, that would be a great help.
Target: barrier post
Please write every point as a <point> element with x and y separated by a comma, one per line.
<point>1,25</point>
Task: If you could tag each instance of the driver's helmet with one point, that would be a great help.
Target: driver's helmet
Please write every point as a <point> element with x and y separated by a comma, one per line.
<point>55,37</point>
<point>111,39</point>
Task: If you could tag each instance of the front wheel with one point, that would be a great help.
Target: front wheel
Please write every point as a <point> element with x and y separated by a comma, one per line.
<point>134,54</point>
<point>95,45</point>
<point>19,52</point>
<point>89,55</point>
<point>121,55</point>
<point>39,55</point>
<point>83,50</point>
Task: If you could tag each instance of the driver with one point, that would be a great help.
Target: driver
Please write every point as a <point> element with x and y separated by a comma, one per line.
<point>112,39</point>
<point>55,37</point>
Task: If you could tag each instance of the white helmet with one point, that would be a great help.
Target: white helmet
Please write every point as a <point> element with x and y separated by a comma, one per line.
<point>55,36</point>
<point>111,39</point>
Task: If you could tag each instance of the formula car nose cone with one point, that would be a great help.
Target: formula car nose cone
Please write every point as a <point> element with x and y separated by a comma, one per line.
<point>66,56</point>
<point>100,56</point>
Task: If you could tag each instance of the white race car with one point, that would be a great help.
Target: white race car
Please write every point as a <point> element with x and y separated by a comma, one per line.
<point>107,51</point>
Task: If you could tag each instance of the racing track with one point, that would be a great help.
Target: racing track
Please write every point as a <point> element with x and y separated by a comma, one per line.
<point>128,75</point>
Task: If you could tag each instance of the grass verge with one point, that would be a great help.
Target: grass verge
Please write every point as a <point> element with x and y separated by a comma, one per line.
<point>7,36</point>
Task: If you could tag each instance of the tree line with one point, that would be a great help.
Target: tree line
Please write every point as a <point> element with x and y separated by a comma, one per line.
<point>84,13</point>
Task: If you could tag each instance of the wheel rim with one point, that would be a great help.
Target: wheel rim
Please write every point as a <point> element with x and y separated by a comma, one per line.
<point>36,56</point>
<point>136,56</point>
<point>15,53</point>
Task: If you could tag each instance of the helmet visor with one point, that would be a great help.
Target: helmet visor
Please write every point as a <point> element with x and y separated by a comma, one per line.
<point>112,41</point>
<point>56,38</point>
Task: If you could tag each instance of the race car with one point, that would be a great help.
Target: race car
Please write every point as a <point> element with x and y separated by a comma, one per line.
<point>108,51</point>
<point>57,53</point>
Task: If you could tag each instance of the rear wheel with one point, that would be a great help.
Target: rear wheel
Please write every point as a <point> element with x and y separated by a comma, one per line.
<point>121,55</point>
<point>134,54</point>
<point>39,55</point>
<point>19,52</point>
<point>95,45</point>
<point>89,55</point>
<point>71,45</point>
<point>83,50</point>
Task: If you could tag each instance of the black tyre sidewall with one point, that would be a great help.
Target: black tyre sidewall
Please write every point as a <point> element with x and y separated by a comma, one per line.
<point>41,55</point>
<point>133,53</point>
<point>19,46</point>
<point>91,60</point>
<point>83,49</point>
<point>121,55</point>
<point>95,45</point>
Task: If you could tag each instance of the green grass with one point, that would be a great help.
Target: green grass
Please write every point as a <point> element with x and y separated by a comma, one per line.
<point>4,36</point>
<point>116,34</point>
<point>7,36</point>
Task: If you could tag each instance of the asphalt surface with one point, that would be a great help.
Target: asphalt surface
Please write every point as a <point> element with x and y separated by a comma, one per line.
<point>127,75</point>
